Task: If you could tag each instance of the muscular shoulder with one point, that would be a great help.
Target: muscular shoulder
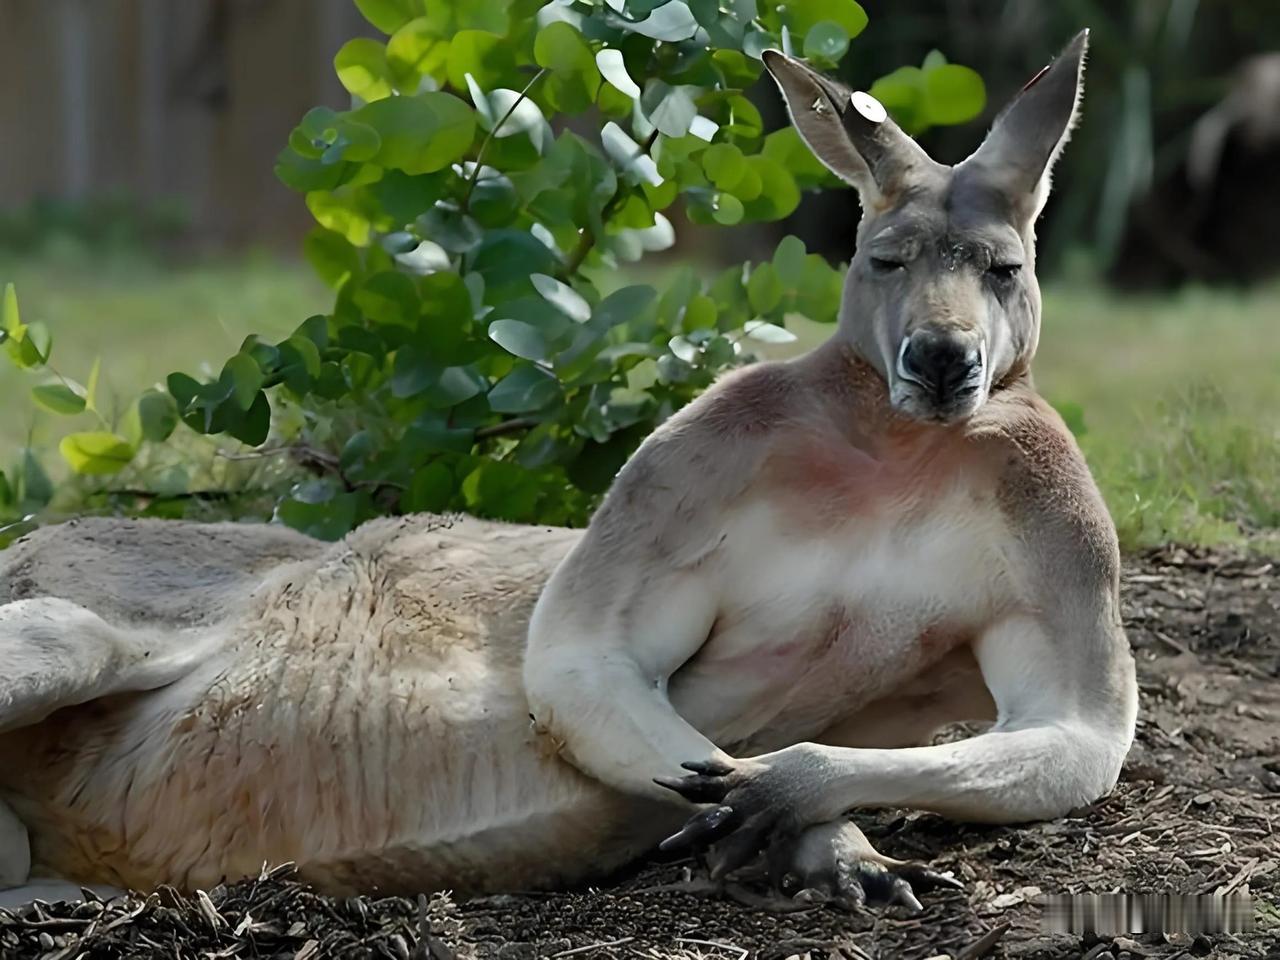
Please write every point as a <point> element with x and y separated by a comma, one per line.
<point>1045,488</point>
<point>666,500</point>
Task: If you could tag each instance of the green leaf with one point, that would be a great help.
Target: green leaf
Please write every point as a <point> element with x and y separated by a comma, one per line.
<point>623,306</point>
<point>493,200</point>
<point>789,261</point>
<point>431,433</point>
<point>724,165</point>
<point>523,390</point>
<point>422,133</point>
<point>389,298</point>
<point>96,454</point>
<point>430,491</point>
<point>519,338</point>
<point>563,297</point>
<point>37,489</point>
<point>800,16</point>
<point>447,225</point>
<point>953,93</point>
<point>59,398</point>
<point>331,255</point>
<point>362,68</point>
<point>779,195</point>
<point>764,289</point>
<point>700,314</point>
<point>489,58</point>
<point>558,46</point>
<point>244,376</point>
<point>330,519</point>
<point>91,388</point>
<point>827,41</point>
<point>454,386</point>
<point>417,50</point>
<point>389,15</point>
<point>670,109</point>
<point>506,259</point>
<point>253,425</point>
<point>613,67</point>
<point>670,22</point>
<point>157,415</point>
<point>447,17</point>
<point>10,320</point>
<point>337,214</point>
<point>766,332</point>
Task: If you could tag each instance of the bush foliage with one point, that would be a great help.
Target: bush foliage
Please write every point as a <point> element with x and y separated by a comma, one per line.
<point>470,229</point>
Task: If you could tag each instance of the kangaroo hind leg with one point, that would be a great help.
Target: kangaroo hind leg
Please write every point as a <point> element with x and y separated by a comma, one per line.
<point>57,654</point>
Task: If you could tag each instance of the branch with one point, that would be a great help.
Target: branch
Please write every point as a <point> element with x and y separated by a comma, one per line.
<point>475,173</point>
<point>514,425</point>
<point>588,238</point>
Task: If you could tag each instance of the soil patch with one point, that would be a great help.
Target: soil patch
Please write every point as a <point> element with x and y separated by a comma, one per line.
<point>1196,812</point>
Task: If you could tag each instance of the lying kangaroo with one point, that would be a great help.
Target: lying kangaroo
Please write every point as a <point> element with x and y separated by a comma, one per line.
<point>792,585</point>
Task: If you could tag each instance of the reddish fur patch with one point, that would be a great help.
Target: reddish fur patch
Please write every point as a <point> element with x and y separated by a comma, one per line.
<point>823,477</point>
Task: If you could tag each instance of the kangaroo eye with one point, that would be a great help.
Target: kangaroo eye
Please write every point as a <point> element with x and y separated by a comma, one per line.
<point>881,265</point>
<point>1003,272</point>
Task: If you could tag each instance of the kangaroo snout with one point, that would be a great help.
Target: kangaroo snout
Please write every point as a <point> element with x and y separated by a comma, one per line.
<point>944,362</point>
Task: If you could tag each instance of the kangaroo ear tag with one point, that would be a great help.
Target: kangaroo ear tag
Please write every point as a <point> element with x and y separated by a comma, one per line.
<point>869,107</point>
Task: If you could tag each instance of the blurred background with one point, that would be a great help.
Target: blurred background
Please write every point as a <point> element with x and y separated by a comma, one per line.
<point>141,219</point>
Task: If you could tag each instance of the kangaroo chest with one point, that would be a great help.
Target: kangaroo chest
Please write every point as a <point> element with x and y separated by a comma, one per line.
<point>819,618</point>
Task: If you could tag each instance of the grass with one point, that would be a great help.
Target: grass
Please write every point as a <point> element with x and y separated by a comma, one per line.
<point>1179,396</point>
<point>144,321</point>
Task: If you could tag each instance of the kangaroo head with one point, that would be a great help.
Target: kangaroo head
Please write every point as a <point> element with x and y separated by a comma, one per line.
<point>941,296</point>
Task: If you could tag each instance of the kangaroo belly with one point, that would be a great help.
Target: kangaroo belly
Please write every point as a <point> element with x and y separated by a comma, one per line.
<point>366,720</point>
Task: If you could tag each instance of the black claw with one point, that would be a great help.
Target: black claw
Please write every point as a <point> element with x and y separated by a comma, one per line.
<point>710,768</point>
<point>700,829</point>
<point>919,874</point>
<point>697,789</point>
<point>904,895</point>
<point>876,882</point>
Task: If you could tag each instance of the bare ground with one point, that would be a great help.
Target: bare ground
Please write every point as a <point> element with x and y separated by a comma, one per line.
<point>1196,812</point>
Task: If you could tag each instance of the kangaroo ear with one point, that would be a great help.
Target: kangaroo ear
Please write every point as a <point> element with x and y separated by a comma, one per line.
<point>849,132</point>
<point>1018,154</point>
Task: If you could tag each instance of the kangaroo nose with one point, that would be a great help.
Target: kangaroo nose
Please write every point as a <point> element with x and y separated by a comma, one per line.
<point>938,360</point>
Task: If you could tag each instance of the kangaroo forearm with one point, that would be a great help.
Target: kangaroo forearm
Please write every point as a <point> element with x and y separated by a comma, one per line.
<point>1003,776</point>
<point>617,727</point>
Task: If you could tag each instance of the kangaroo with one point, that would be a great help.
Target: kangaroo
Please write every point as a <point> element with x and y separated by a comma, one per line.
<point>790,587</point>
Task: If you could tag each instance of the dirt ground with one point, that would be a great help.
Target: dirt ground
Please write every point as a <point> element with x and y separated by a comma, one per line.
<point>1196,812</point>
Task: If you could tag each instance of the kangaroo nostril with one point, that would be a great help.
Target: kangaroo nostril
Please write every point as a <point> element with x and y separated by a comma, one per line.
<point>938,361</point>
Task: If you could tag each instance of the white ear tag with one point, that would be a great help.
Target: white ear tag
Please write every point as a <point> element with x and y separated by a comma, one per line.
<point>870,108</point>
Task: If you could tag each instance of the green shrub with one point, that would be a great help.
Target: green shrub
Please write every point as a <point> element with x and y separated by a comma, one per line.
<point>470,361</point>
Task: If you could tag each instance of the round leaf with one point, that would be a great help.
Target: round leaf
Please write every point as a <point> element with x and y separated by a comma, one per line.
<point>614,69</point>
<point>388,15</point>
<point>58,398</point>
<point>953,94</point>
<point>420,134</point>
<point>670,22</point>
<point>96,454</point>
<point>523,390</point>
<point>826,40</point>
<point>486,56</point>
<point>157,415</point>
<point>563,297</point>
<point>362,68</point>
<point>520,338</point>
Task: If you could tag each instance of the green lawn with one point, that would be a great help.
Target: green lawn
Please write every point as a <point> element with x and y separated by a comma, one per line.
<point>144,321</point>
<point>1180,396</point>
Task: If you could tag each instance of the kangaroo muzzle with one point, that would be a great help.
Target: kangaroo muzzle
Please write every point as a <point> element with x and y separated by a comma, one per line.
<point>941,373</point>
